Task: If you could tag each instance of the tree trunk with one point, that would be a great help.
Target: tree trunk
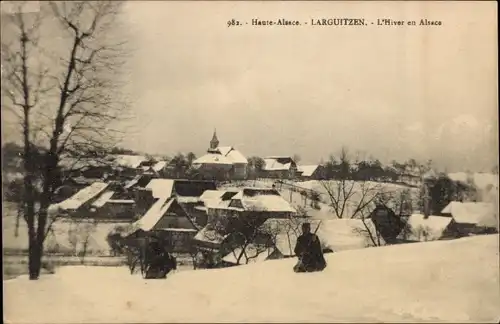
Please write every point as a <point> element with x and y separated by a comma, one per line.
<point>34,258</point>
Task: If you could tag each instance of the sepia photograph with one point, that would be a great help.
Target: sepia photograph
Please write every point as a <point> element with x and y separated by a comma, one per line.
<point>250,161</point>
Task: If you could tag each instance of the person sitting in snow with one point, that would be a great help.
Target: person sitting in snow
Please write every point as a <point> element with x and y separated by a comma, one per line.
<point>160,260</point>
<point>308,250</point>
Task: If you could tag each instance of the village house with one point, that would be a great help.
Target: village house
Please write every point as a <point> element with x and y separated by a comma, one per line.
<point>423,228</point>
<point>471,218</point>
<point>168,220</point>
<point>280,167</point>
<point>172,212</point>
<point>221,162</point>
<point>259,203</point>
<point>129,166</point>
<point>311,172</point>
<point>79,204</point>
<point>100,201</point>
<point>93,169</point>
<point>229,210</point>
<point>388,224</point>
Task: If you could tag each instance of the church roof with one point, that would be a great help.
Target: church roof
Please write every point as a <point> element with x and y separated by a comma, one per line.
<point>211,158</point>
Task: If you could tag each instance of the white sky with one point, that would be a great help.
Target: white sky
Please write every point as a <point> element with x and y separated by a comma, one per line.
<point>393,92</point>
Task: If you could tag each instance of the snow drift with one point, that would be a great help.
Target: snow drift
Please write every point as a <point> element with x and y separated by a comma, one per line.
<point>454,281</point>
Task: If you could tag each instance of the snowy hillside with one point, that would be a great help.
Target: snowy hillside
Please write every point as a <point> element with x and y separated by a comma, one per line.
<point>436,281</point>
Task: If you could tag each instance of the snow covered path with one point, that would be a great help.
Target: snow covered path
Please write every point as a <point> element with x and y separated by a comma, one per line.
<point>438,281</point>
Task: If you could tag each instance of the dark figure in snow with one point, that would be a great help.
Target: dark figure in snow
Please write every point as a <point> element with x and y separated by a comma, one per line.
<point>159,262</point>
<point>308,250</point>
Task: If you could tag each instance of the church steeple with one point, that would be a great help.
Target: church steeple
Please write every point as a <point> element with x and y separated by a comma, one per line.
<point>214,143</point>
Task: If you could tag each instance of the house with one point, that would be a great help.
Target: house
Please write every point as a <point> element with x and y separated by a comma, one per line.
<point>129,166</point>
<point>255,203</point>
<point>168,220</point>
<point>472,217</point>
<point>95,168</point>
<point>179,187</point>
<point>82,200</point>
<point>209,239</point>
<point>111,206</point>
<point>311,172</point>
<point>222,162</point>
<point>281,167</point>
<point>422,228</point>
<point>212,199</point>
<point>387,223</point>
<point>232,211</point>
<point>139,181</point>
<point>187,192</point>
<point>100,200</point>
<point>159,168</point>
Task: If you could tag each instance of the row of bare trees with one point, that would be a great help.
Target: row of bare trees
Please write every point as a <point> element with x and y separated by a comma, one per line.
<point>61,70</point>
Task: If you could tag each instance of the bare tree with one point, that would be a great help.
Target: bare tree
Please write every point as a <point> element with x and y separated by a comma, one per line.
<point>348,199</point>
<point>369,230</point>
<point>244,235</point>
<point>59,78</point>
<point>287,230</point>
<point>79,237</point>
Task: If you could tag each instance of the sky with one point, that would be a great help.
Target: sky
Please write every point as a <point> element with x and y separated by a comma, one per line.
<point>393,92</point>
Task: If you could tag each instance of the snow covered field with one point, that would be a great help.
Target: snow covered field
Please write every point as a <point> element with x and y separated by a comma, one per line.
<point>435,281</point>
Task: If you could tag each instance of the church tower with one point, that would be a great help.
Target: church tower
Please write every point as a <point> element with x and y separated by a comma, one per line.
<point>214,143</point>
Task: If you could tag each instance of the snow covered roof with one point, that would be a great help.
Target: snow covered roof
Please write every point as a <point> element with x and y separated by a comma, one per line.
<point>180,230</point>
<point>121,201</point>
<point>422,229</point>
<point>212,194</point>
<point>158,166</point>
<point>222,155</point>
<point>154,214</point>
<point>161,187</point>
<point>270,203</point>
<point>132,182</point>
<point>82,196</point>
<point>210,235</point>
<point>236,156</point>
<point>214,198</point>
<point>260,199</point>
<point>187,199</point>
<point>105,197</point>
<point>129,161</point>
<point>478,213</point>
<point>307,170</point>
<point>212,158</point>
<point>224,150</point>
<point>277,163</point>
